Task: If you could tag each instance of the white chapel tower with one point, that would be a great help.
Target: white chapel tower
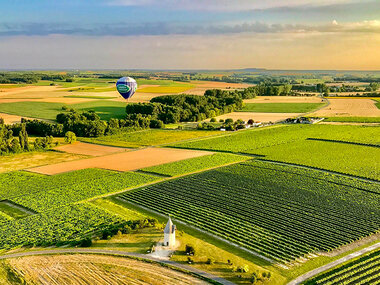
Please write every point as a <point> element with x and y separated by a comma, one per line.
<point>169,234</point>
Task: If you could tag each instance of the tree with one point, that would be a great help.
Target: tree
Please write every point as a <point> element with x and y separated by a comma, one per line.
<point>23,138</point>
<point>189,249</point>
<point>70,137</point>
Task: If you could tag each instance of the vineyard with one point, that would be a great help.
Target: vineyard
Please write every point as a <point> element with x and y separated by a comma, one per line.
<point>306,145</point>
<point>279,211</point>
<point>363,270</point>
<point>194,164</point>
<point>58,218</point>
<point>41,193</point>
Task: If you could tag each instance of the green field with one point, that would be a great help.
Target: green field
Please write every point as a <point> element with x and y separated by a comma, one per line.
<point>149,137</point>
<point>42,110</point>
<point>361,270</point>
<point>195,164</point>
<point>353,119</point>
<point>59,218</point>
<point>281,107</point>
<point>279,211</point>
<point>165,89</point>
<point>291,144</point>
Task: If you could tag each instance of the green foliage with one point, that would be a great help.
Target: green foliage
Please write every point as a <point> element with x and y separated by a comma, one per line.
<point>362,270</point>
<point>279,211</point>
<point>70,137</point>
<point>195,164</point>
<point>281,107</point>
<point>189,250</point>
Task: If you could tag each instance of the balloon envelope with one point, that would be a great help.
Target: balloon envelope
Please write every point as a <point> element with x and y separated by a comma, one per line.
<point>126,86</point>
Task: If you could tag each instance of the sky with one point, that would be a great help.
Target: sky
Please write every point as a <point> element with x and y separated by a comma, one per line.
<point>190,34</point>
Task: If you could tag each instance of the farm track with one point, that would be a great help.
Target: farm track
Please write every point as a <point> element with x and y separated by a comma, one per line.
<point>177,266</point>
<point>330,265</point>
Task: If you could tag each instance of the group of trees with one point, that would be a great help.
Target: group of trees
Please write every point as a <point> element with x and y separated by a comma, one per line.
<point>185,108</point>
<point>15,139</point>
<point>29,78</point>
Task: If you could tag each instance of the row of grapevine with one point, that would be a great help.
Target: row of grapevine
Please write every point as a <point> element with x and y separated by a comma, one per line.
<point>272,209</point>
<point>362,270</point>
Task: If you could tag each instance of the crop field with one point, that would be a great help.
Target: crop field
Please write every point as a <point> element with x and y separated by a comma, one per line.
<point>41,193</point>
<point>122,161</point>
<point>194,164</point>
<point>104,108</point>
<point>96,269</point>
<point>149,137</point>
<point>281,212</point>
<point>58,217</point>
<point>362,270</point>
<point>166,89</point>
<point>341,157</point>
<point>281,107</point>
<point>353,119</point>
<point>348,108</point>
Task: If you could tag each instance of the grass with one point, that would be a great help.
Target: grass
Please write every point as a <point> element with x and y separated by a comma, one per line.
<point>43,110</point>
<point>117,209</point>
<point>149,137</point>
<point>165,89</point>
<point>195,164</point>
<point>281,107</point>
<point>354,119</point>
<point>31,159</point>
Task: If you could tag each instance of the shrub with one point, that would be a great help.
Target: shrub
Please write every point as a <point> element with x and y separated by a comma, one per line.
<point>190,250</point>
<point>210,261</point>
<point>156,124</point>
<point>87,242</point>
<point>213,120</point>
<point>70,137</point>
<point>229,121</point>
<point>190,260</point>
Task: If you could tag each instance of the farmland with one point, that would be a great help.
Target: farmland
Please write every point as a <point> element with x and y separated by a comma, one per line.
<point>281,107</point>
<point>194,164</point>
<point>278,212</point>
<point>149,137</point>
<point>362,270</point>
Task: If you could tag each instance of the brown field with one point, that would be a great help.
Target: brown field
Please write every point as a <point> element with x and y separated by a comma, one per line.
<point>11,119</point>
<point>89,149</point>
<point>33,159</point>
<point>285,99</point>
<point>95,269</point>
<point>125,161</point>
<point>202,86</point>
<point>258,117</point>
<point>349,108</point>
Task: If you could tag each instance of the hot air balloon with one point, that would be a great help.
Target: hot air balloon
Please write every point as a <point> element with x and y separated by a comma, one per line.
<point>126,86</point>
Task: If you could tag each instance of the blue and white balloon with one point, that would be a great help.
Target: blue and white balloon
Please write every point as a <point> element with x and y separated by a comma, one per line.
<point>126,86</point>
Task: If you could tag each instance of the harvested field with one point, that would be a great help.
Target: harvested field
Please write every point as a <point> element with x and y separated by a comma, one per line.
<point>95,269</point>
<point>261,117</point>
<point>33,159</point>
<point>202,86</point>
<point>285,99</point>
<point>11,119</point>
<point>125,161</point>
<point>89,149</point>
<point>348,108</point>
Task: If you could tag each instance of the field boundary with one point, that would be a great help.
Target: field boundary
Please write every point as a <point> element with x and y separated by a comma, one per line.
<point>203,232</point>
<point>344,142</point>
<point>330,265</point>
<point>320,169</point>
<point>208,277</point>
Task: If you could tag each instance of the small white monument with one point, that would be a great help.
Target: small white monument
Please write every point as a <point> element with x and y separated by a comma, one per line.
<point>169,234</point>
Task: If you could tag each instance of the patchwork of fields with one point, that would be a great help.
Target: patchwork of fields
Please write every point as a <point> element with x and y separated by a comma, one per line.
<point>282,212</point>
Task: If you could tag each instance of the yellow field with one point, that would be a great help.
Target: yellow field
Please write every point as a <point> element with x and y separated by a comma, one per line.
<point>165,89</point>
<point>95,269</point>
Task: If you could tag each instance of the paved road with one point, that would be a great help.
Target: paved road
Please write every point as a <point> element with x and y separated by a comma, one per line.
<point>119,253</point>
<point>330,265</point>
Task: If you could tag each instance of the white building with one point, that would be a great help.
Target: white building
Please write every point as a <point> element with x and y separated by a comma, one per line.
<point>169,234</point>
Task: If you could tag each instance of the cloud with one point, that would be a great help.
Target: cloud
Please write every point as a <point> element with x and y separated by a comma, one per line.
<point>224,5</point>
<point>127,29</point>
<point>279,51</point>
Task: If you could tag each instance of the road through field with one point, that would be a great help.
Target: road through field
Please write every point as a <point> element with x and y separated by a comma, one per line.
<point>330,265</point>
<point>195,271</point>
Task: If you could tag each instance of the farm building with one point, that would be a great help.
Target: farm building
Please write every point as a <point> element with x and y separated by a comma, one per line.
<point>169,234</point>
